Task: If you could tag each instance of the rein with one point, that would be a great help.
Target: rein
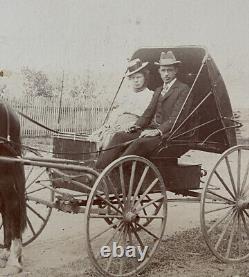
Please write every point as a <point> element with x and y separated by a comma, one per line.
<point>61,133</point>
<point>46,127</point>
<point>4,140</point>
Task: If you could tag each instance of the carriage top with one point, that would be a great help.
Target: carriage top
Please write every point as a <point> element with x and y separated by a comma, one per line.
<point>209,126</point>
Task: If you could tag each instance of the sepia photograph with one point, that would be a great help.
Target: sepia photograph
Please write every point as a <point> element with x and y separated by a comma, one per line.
<point>124,138</point>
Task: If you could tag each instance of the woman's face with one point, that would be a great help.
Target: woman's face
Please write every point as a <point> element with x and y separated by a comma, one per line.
<point>137,80</point>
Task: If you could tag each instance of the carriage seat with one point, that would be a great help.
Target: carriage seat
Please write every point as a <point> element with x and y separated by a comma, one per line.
<point>178,177</point>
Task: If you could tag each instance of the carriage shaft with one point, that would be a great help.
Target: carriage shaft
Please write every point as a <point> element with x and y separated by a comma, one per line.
<point>47,163</point>
<point>80,209</point>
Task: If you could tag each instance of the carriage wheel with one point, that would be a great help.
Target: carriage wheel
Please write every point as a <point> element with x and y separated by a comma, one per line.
<point>225,206</point>
<point>37,214</point>
<point>128,186</point>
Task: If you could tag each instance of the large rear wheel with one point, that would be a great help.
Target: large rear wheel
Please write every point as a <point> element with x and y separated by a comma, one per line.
<point>225,206</point>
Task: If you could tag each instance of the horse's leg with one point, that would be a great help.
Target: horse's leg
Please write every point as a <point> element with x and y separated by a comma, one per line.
<point>4,255</point>
<point>12,209</point>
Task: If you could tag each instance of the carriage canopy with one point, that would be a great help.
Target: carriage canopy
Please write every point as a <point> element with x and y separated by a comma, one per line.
<point>209,124</point>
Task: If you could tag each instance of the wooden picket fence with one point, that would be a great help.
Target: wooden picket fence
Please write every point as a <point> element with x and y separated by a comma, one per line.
<point>81,116</point>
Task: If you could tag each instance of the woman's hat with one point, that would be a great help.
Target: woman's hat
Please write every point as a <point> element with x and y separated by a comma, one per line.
<point>135,66</point>
<point>168,59</point>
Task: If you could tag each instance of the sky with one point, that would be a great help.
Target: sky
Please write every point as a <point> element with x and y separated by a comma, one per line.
<point>100,35</point>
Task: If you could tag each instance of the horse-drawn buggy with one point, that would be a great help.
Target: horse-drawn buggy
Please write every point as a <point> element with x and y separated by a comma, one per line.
<point>125,204</point>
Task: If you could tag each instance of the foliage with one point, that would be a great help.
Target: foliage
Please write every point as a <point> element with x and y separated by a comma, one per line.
<point>83,87</point>
<point>36,83</point>
<point>3,90</point>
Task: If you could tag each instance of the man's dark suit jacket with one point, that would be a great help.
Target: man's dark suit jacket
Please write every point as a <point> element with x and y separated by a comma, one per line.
<point>164,109</point>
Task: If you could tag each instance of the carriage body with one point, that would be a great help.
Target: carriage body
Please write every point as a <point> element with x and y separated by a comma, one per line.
<point>211,131</point>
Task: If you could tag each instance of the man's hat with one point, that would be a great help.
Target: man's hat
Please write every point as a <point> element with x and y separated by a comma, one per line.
<point>167,59</point>
<point>135,66</point>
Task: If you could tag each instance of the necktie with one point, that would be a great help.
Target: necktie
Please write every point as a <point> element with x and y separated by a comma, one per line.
<point>165,89</point>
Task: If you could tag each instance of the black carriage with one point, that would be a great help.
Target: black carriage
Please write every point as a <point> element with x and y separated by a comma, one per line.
<point>126,203</point>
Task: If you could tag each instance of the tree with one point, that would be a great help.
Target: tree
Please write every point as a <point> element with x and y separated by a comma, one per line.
<point>36,83</point>
<point>3,90</point>
<point>83,87</point>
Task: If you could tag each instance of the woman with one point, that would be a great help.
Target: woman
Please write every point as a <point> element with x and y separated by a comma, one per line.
<point>130,108</point>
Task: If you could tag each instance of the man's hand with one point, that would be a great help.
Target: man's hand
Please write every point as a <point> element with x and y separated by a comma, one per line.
<point>132,129</point>
<point>150,133</point>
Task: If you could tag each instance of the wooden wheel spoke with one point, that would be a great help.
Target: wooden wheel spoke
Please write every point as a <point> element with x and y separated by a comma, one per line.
<point>218,197</point>
<point>36,178</point>
<point>111,257</point>
<point>224,184</point>
<point>29,173</point>
<point>151,217</point>
<point>220,220</point>
<point>109,203</point>
<point>239,170</point>
<point>246,190</point>
<point>31,226</point>
<point>231,238</point>
<point>217,209</point>
<point>231,175</point>
<point>149,203</point>
<point>136,235</point>
<point>245,224</point>
<point>115,193</point>
<point>122,182</point>
<point>244,179</point>
<point>239,234</point>
<point>133,169</point>
<point>124,244</point>
<point>146,192</point>
<point>223,232</point>
<point>147,231</point>
<point>140,183</point>
<point>130,240</point>
<point>36,213</point>
<point>33,191</point>
<point>154,204</point>
<point>246,213</point>
<point>113,225</point>
<point>144,211</point>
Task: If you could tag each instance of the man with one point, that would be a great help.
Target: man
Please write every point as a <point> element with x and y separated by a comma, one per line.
<point>157,120</point>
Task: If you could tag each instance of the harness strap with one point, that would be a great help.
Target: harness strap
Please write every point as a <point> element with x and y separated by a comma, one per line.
<point>7,121</point>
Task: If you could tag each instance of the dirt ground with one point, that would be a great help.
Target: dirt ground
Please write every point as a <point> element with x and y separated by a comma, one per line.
<point>60,250</point>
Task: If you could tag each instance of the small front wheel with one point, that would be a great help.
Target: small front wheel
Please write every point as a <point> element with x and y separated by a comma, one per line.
<point>132,193</point>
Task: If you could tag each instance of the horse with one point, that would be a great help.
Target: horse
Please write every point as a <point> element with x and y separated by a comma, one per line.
<point>12,192</point>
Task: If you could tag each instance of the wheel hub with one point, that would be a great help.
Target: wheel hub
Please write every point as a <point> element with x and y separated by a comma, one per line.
<point>130,217</point>
<point>242,204</point>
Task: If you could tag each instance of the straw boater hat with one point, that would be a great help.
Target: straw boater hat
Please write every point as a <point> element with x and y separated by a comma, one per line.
<point>135,66</point>
<point>168,59</point>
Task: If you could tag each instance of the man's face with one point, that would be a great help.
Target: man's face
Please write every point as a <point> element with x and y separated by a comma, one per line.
<point>137,80</point>
<point>167,72</point>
